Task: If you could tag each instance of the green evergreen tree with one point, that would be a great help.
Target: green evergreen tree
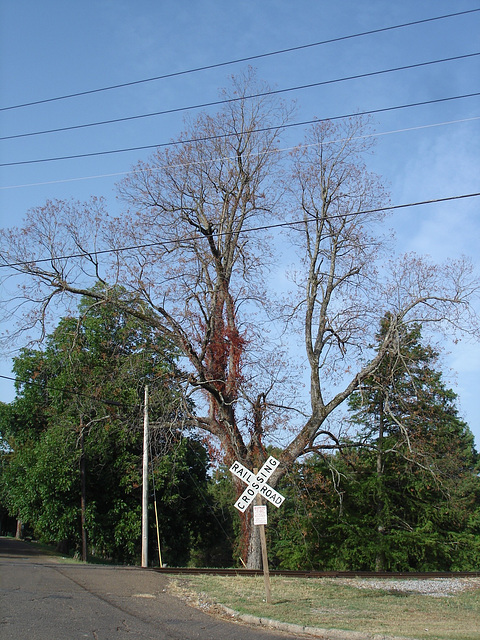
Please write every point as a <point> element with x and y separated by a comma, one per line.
<point>404,493</point>
<point>419,453</point>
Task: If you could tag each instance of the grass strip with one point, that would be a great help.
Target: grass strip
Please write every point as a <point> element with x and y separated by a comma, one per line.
<point>340,604</point>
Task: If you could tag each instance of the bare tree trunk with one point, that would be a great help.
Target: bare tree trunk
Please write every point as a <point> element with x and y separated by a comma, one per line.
<point>19,534</point>
<point>254,551</point>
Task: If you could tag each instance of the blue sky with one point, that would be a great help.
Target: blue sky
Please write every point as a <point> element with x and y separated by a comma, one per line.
<point>54,48</point>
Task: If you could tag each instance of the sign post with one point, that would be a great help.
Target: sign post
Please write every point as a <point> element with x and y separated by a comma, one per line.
<point>261,522</point>
<point>257,488</point>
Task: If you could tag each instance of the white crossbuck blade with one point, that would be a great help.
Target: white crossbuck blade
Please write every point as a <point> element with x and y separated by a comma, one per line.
<point>257,484</point>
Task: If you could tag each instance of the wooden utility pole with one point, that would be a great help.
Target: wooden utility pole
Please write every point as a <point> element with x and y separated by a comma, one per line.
<point>83,485</point>
<point>263,542</point>
<point>257,488</point>
<point>145,483</point>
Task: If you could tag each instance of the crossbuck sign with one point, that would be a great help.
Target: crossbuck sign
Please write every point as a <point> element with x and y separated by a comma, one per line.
<point>257,484</point>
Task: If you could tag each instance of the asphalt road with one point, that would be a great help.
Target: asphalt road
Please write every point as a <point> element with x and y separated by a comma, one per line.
<point>42,599</point>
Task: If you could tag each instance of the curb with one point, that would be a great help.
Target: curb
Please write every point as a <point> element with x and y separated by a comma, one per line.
<point>316,632</point>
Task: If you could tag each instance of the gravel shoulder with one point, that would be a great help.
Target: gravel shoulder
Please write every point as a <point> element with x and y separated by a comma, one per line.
<point>435,587</point>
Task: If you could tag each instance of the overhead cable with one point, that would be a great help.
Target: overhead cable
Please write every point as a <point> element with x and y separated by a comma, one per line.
<point>174,143</point>
<point>239,60</point>
<point>73,392</point>
<point>278,225</point>
<point>209,138</point>
<point>283,150</point>
<point>239,99</point>
<point>220,102</point>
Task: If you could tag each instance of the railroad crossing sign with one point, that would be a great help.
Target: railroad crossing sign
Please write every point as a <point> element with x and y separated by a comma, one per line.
<point>257,484</point>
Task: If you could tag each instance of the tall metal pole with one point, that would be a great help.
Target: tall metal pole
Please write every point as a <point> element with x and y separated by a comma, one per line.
<point>145,483</point>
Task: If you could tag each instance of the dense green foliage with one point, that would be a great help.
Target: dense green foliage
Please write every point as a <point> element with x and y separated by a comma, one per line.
<point>79,407</point>
<point>404,494</point>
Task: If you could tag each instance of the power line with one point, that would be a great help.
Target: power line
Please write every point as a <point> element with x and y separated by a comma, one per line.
<point>73,392</point>
<point>124,173</point>
<point>250,97</point>
<point>49,387</point>
<point>249,230</point>
<point>220,102</point>
<point>253,96</point>
<point>239,60</point>
<point>217,137</point>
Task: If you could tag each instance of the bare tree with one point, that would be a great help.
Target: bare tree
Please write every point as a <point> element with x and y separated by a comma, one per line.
<point>190,257</point>
<point>346,281</point>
